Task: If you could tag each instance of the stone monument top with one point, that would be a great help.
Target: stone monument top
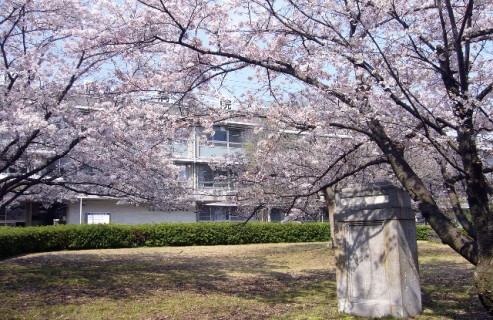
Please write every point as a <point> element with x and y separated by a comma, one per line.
<point>363,202</point>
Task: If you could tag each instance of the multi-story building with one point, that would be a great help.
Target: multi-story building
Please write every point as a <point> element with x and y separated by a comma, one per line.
<point>212,190</point>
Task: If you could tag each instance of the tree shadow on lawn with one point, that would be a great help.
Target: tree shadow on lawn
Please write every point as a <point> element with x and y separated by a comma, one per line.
<point>75,278</point>
<point>267,277</point>
<point>447,290</point>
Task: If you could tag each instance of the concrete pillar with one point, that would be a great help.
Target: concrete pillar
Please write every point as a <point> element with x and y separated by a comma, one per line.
<point>376,252</point>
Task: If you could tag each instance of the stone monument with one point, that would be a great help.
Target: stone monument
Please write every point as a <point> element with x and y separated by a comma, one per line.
<point>376,252</point>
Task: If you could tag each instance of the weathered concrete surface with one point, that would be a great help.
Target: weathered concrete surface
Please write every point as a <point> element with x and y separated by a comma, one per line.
<point>377,264</point>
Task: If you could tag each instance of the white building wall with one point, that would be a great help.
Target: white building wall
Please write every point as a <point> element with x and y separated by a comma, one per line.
<point>125,214</point>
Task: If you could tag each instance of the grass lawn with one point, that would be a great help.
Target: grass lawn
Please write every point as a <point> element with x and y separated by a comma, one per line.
<point>270,281</point>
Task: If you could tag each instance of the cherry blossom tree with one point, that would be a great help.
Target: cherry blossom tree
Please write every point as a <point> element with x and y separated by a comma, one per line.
<point>291,164</point>
<point>410,81</point>
<point>68,126</point>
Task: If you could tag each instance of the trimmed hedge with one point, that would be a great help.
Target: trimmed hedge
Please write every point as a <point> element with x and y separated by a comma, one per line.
<point>218,233</point>
<point>425,233</point>
<point>14,241</point>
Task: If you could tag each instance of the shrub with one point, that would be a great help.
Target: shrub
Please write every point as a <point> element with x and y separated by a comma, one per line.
<point>101,236</point>
<point>216,233</point>
<point>15,241</point>
<point>33,239</point>
<point>423,232</point>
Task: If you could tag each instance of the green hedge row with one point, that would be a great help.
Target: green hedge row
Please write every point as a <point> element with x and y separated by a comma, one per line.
<point>424,233</point>
<point>14,241</point>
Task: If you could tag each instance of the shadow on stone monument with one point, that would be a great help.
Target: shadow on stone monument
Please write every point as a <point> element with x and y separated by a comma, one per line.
<point>376,252</point>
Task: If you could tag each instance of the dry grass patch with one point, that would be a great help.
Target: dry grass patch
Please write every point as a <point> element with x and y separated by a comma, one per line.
<point>270,281</point>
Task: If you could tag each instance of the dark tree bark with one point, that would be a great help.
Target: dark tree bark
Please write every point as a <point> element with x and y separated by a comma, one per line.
<point>479,252</point>
<point>477,197</point>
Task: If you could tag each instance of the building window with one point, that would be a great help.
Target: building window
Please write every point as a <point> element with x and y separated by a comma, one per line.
<point>220,134</point>
<point>217,179</point>
<point>185,173</point>
<point>179,143</point>
<point>225,141</point>
<point>276,214</point>
<point>13,216</point>
<point>236,135</point>
<point>13,213</point>
<point>213,212</point>
<point>231,135</point>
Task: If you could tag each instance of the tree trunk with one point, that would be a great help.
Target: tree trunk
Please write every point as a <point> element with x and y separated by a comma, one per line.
<point>330,200</point>
<point>418,191</point>
<point>483,278</point>
<point>479,252</point>
<point>481,213</point>
<point>449,185</point>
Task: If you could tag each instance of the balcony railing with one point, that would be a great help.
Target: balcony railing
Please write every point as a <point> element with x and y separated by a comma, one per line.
<point>216,184</point>
<point>219,149</point>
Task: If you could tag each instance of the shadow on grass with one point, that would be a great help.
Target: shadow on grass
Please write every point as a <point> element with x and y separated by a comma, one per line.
<point>75,278</point>
<point>276,276</point>
<point>448,291</point>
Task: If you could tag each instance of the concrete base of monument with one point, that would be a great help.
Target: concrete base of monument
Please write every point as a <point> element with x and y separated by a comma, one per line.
<point>376,252</point>
<point>378,308</point>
